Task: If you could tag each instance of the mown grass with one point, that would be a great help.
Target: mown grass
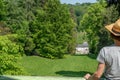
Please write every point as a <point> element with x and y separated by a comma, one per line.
<point>70,66</point>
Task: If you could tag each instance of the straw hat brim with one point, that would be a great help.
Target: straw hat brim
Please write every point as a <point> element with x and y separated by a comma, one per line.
<point>109,28</point>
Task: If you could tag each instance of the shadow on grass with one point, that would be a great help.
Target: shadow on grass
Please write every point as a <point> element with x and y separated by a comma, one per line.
<point>7,78</point>
<point>72,73</point>
<point>93,56</point>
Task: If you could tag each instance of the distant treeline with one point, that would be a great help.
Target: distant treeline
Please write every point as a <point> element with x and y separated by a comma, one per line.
<point>91,19</point>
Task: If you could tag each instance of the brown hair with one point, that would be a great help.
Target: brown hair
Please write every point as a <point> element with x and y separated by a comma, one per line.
<point>115,37</point>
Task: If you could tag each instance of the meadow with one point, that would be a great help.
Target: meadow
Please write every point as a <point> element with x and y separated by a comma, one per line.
<point>69,66</point>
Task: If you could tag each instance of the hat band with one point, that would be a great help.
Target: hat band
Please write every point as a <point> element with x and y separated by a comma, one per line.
<point>115,31</point>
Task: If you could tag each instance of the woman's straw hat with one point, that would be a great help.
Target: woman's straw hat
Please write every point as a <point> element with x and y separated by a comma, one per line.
<point>114,28</point>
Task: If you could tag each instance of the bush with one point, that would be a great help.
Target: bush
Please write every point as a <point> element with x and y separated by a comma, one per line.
<point>9,46</point>
<point>9,65</point>
<point>25,43</point>
<point>10,53</point>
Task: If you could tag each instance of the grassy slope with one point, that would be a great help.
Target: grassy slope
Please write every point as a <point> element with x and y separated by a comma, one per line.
<point>71,66</point>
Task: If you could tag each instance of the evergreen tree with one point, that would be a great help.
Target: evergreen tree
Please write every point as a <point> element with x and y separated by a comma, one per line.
<point>52,29</point>
<point>28,8</point>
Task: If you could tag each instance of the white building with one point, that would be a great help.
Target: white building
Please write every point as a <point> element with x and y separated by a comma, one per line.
<point>82,49</point>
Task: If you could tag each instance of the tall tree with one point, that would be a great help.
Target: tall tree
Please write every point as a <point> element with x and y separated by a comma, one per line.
<point>73,42</point>
<point>3,13</point>
<point>14,19</point>
<point>2,10</point>
<point>10,51</point>
<point>28,8</point>
<point>114,2</point>
<point>52,31</point>
<point>92,23</point>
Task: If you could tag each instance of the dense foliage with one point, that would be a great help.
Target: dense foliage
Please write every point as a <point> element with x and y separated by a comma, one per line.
<point>48,28</point>
<point>10,54</point>
<point>33,27</point>
<point>93,23</point>
<point>52,30</point>
<point>9,65</point>
<point>45,28</point>
<point>79,10</point>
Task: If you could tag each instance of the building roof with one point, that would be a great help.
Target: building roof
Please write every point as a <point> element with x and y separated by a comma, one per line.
<point>85,44</point>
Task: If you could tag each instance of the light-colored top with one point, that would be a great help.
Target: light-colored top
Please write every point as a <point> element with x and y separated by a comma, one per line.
<point>111,57</point>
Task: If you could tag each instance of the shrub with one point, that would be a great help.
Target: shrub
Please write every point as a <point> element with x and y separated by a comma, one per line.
<point>10,47</point>
<point>9,65</point>
<point>10,53</point>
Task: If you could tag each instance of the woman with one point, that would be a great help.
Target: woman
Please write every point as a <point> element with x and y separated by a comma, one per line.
<point>109,57</point>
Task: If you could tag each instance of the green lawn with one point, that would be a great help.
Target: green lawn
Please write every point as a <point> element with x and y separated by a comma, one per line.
<point>70,66</point>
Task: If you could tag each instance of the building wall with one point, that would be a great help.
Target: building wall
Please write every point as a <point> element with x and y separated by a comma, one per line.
<point>82,50</point>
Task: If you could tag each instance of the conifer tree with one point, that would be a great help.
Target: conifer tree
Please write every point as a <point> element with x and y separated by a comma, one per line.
<point>52,29</point>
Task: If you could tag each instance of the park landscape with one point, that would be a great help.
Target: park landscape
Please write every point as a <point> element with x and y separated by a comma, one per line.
<point>38,38</point>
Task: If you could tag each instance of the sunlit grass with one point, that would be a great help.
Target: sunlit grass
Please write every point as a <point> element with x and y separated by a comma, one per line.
<point>70,66</point>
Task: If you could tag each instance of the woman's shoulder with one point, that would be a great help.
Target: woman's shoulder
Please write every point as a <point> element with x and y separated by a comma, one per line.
<point>111,47</point>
